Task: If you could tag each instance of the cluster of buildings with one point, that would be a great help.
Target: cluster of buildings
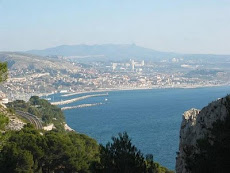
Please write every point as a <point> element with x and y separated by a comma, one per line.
<point>131,65</point>
<point>120,75</point>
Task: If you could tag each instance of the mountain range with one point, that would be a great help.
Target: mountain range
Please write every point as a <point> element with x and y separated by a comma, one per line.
<point>104,51</point>
<point>117,52</point>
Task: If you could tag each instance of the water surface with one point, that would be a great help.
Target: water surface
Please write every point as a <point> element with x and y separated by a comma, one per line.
<point>152,118</point>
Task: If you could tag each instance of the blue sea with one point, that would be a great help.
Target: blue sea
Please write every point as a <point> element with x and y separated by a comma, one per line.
<point>152,118</point>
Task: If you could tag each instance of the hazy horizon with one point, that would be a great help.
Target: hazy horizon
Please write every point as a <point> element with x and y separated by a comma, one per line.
<point>189,27</point>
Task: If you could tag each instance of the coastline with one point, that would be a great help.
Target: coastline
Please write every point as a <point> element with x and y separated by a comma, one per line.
<point>140,88</point>
<point>105,90</point>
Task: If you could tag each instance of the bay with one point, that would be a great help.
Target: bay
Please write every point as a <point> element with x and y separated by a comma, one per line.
<point>152,118</point>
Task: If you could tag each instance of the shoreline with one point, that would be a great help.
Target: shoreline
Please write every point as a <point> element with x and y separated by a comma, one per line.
<point>140,88</point>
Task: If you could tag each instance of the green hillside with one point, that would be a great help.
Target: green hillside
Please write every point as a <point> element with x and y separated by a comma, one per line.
<point>42,109</point>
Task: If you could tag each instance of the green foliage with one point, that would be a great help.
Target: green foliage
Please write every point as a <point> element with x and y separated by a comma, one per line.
<point>121,156</point>
<point>3,71</point>
<point>214,151</point>
<point>42,109</point>
<point>154,167</point>
<point>3,121</point>
<point>159,169</point>
<point>18,104</point>
<point>29,151</point>
<point>70,152</point>
<point>16,159</point>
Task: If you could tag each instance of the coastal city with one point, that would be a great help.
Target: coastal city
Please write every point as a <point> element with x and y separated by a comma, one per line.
<point>77,77</point>
<point>114,86</point>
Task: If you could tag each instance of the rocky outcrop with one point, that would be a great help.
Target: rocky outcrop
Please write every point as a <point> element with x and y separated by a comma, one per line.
<point>195,125</point>
<point>49,127</point>
<point>14,122</point>
<point>68,128</point>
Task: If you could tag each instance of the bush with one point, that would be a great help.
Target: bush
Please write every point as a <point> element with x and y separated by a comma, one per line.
<point>3,121</point>
<point>29,151</point>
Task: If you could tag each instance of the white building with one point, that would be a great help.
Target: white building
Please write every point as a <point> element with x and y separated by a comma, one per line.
<point>132,64</point>
<point>142,63</point>
<point>114,66</point>
<point>3,98</point>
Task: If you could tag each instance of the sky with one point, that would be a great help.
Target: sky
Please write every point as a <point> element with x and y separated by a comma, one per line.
<point>182,26</point>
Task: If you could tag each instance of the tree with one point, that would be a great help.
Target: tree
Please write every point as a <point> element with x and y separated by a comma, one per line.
<point>13,159</point>
<point>28,150</point>
<point>4,120</point>
<point>3,71</point>
<point>121,156</point>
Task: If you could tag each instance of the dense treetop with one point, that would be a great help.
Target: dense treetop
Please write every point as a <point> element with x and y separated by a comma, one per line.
<point>29,150</point>
<point>121,156</point>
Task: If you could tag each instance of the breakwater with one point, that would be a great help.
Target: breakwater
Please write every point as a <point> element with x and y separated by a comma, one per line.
<point>81,106</point>
<point>86,92</point>
<point>77,99</point>
<point>76,93</point>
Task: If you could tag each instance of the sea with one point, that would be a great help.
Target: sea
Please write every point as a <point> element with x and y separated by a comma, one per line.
<point>151,117</point>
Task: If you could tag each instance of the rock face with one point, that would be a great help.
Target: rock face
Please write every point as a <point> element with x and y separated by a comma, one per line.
<point>194,126</point>
<point>49,127</point>
<point>14,122</point>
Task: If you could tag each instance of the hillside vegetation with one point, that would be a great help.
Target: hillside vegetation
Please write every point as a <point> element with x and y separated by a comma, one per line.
<point>29,150</point>
<point>4,120</point>
<point>42,109</point>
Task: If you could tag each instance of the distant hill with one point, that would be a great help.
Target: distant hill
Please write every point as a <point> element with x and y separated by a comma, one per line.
<point>17,61</point>
<point>117,52</point>
<point>104,52</point>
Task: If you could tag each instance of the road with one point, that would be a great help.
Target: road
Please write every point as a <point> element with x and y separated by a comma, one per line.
<point>31,118</point>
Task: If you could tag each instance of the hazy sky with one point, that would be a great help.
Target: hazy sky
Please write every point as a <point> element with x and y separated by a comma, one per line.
<point>185,26</point>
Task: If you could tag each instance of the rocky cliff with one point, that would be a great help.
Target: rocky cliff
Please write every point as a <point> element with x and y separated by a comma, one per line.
<point>14,122</point>
<point>195,125</point>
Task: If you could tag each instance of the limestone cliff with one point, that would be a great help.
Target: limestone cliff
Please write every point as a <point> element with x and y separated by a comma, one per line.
<point>14,122</point>
<point>195,125</point>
